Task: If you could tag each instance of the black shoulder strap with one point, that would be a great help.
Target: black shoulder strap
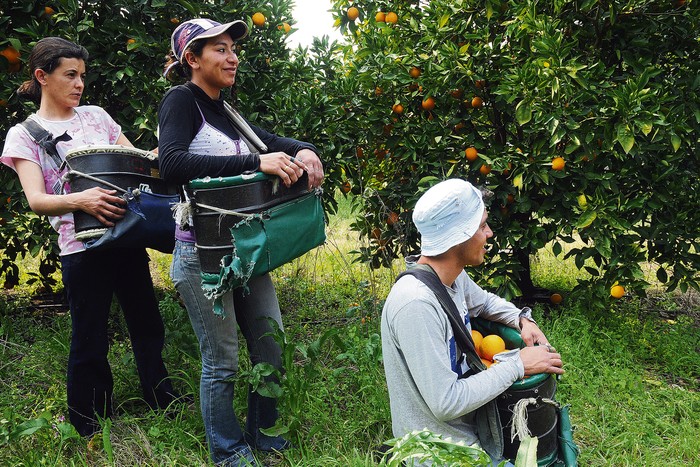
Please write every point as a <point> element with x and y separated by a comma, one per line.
<point>45,140</point>
<point>429,277</point>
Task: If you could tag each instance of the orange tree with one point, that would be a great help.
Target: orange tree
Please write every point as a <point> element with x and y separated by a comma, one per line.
<point>127,41</point>
<point>581,117</point>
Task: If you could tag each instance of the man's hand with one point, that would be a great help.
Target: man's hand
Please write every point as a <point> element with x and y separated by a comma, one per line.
<point>531,333</point>
<point>541,359</point>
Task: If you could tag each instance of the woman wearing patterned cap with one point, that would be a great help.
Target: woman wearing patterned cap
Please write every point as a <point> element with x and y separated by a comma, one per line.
<point>196,140</point>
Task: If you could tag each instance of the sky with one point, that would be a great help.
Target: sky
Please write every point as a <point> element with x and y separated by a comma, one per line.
<point>312,20</point>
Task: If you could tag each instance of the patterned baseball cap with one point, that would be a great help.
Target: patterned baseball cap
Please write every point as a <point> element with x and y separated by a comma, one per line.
<point>203,28</point>
<point>447,214</point>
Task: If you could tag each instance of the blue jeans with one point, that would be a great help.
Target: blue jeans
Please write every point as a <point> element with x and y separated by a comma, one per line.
<point>218,345</point>
<point>90,279</point>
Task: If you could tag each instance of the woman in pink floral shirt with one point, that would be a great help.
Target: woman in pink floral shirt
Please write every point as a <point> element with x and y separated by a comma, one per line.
<point>90,278</point>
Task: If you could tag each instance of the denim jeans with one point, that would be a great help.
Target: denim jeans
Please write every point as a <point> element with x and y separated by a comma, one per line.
<point>90,279</point>
<point>218,344</point>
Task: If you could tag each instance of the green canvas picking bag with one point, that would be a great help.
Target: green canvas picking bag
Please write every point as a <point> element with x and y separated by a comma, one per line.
<point>266,240</point>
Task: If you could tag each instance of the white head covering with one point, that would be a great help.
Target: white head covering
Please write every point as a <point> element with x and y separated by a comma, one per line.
<point>447,214</point>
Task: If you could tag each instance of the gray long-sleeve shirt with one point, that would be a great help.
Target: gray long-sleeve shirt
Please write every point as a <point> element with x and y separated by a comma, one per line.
<point>420,358</point>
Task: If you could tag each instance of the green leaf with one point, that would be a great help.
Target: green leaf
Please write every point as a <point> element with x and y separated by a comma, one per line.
<point>556,248</point>
<point>29,427</point>
<point>527,452</point>
<point>625,138</point>
<point>523,112</point>
<point>443,20</point>
<point>645,126</point>
<point>661,275</point>
<point>518,181</point>
<point>573,145</point>
<point>675,142</point>
<point>586,219</point>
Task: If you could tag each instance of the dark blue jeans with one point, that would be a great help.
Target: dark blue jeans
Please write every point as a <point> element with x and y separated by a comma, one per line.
<point>91,279</point>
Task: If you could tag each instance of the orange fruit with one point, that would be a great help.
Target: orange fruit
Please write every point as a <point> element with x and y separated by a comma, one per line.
<point>480,83</point>
<point>428,103</point>
<point>392,17</point>
<point>48,11</point>
<point>414,72</point>
<point>376,233</point>
<point>487,363</point>
<point>485,169</point>
<point>259,19</point>
<point>558,163</point>
<point>345,187</point>
<point>617,291</point>
<point>555,298</point>
<point>471,154</point>
<point>477,338</point>
<point>353,13</point>
<point>456,93</point>
<point>392,218</point>
<point>477,102</point>
<point>3,103</point>
<point>284,27</point>
<point>510,199</point>
<point>11,54</point>
<point>397,108</point>
<point>380,17</point>
<point>174,20</point>
<point>491,345</point>
<point>131,41</point>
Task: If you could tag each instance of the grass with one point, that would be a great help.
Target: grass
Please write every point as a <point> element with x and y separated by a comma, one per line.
<point>632,379</point>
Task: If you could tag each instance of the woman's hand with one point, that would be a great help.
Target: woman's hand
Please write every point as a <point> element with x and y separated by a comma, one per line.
<point>100,203</point>
<point>286,167</point>
<point>314,167</point>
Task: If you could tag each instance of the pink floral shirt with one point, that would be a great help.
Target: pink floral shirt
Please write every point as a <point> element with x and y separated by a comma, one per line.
<point>90,125</point>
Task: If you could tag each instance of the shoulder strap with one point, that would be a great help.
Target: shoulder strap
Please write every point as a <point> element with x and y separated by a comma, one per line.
<point>45,140</point>
<point>427,275</point>
<point>244,130</point>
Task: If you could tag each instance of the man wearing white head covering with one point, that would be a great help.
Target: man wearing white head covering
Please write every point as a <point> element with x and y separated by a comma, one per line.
<point>429,381</point>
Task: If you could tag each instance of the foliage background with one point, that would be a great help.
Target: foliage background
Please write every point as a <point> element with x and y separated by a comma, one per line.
<point>610,86</point>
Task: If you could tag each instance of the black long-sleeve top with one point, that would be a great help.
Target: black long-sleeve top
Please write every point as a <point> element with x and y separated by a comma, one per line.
<point>180,120</point>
